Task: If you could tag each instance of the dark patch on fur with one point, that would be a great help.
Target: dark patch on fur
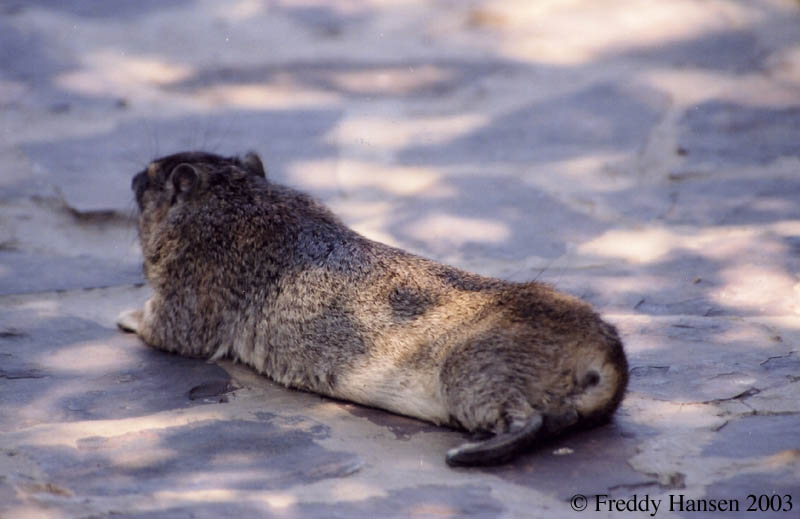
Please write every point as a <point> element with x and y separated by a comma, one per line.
<point>408,302</point>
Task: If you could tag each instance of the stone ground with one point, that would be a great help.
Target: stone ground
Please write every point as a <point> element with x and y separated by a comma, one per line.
<point>643,155</point>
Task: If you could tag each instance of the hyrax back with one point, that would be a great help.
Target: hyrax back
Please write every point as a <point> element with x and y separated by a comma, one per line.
<point>248,269</point>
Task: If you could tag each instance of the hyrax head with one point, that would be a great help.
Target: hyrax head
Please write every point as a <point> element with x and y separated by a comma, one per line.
<point>173,190</point>
<point>179,177</point>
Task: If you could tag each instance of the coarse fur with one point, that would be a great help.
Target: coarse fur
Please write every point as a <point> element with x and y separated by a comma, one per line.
<point>247,269</point>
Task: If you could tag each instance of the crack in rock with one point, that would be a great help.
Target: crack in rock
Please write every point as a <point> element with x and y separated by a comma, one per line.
<point>213,389</point>
<point>20,374</point>
<point>741,396</point>
<point>788,360</point>
<point>59,204</point>
<point>11,333</point>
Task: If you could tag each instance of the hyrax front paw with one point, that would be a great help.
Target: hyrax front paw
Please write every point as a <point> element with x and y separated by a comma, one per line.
<point>130,321</point>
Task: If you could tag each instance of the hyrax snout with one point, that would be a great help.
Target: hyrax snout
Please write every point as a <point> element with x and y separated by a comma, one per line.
<point>248,269</point>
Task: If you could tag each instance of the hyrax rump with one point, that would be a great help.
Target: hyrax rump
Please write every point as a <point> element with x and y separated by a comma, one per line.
<point>248,269</point>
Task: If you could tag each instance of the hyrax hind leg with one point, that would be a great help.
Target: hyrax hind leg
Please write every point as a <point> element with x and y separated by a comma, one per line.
<point>505,416</point>
<point>488,388</point>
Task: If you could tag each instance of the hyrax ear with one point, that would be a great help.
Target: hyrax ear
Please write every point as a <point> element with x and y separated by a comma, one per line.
<point>185,180</point>
<point>252,163</point>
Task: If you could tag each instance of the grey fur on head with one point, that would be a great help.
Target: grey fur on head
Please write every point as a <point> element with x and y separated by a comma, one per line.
<point>248,269</point>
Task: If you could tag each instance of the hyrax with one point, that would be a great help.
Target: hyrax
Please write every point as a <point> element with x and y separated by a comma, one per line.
<point>255,271</point>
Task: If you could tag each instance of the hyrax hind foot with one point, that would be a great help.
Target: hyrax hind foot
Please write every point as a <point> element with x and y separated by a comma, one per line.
<point>519,437</point>
<point>498,448</point>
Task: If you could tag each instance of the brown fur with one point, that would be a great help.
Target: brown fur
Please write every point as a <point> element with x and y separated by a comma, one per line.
<point>248,269</point>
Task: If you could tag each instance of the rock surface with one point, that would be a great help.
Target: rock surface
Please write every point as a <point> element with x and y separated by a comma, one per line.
<point>643,156</point>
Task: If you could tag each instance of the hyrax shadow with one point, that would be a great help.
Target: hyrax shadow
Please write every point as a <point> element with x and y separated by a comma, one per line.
<point>245,268</point>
